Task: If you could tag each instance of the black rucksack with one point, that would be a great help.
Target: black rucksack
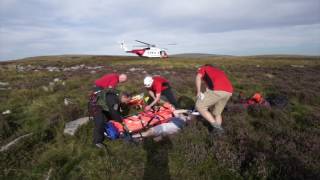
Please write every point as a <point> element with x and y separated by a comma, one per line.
<point>277,100</point>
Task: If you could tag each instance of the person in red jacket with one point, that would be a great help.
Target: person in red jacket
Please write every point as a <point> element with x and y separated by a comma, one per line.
<point>158,86</point>
<point>218,92</point>
<point>110,80</point>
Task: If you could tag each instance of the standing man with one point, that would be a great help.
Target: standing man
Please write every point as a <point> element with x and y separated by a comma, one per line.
<point>158,86</point>
<point>219,90</point>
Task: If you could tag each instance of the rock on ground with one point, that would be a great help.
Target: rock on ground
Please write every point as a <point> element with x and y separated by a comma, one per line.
<point>269,75</point>
<point>7,146</point>
<point>72,126</point>
<point>297,66</point>
<point>4,83</point>
<point>8,111</point>
<point>49,174</point>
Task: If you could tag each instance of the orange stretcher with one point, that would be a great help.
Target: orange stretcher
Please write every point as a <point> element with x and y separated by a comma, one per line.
<point>145,120</point>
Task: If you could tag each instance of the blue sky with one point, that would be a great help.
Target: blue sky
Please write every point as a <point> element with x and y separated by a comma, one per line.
<point>234,27</point>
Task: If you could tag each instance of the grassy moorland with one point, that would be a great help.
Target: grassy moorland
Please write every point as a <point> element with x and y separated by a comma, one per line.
<point>257,144</point>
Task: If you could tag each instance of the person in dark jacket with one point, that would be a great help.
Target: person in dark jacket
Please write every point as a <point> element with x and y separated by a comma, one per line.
<point>108,108</point>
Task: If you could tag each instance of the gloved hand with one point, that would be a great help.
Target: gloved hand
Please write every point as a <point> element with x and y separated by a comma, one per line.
<point>200,96</point>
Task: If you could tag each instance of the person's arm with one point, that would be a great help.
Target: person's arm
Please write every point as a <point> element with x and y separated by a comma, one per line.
<point>198,84</point>
<point>114,106</point>
<point>156,100</point>
<point>178,112</point>
<point>147,133</point>
<point>151,94</point>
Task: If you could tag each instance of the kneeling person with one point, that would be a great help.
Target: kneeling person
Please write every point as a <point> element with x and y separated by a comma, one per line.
<point>158,86</point>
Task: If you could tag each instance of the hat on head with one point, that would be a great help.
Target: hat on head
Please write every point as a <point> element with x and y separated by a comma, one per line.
<point>148,81</point>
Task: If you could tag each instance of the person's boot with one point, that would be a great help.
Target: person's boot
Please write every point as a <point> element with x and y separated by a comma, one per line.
<point>218,128</point>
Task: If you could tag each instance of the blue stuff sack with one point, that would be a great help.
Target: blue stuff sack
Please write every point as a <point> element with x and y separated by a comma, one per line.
<point>111,132</point>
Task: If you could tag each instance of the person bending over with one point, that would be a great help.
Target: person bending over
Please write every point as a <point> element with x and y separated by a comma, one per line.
<point>110,81</point>
<point>218,92</point>
<point>158,87</point>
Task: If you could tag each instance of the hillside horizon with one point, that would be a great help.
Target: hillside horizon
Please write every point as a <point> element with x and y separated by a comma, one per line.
<point>179,55</point>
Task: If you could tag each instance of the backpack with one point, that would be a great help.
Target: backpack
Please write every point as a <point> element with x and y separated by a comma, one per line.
<point>111,131</point>
<point>278,100</point>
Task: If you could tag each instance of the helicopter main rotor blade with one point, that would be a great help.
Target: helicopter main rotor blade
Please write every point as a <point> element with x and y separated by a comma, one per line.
<point>152,45</point>
<point>140,46</point>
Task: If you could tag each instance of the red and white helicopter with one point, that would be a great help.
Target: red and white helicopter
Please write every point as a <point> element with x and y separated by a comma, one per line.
<point>147,50</point>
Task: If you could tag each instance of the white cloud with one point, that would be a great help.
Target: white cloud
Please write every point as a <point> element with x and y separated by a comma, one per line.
<point>40,27</point>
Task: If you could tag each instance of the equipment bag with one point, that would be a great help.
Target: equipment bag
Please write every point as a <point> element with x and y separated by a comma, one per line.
<point>111,131</point>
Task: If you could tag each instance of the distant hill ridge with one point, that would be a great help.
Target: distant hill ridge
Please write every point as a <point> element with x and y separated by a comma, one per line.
<point>204,55</point>
<point>182,55</point>
<point>196,55</point>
